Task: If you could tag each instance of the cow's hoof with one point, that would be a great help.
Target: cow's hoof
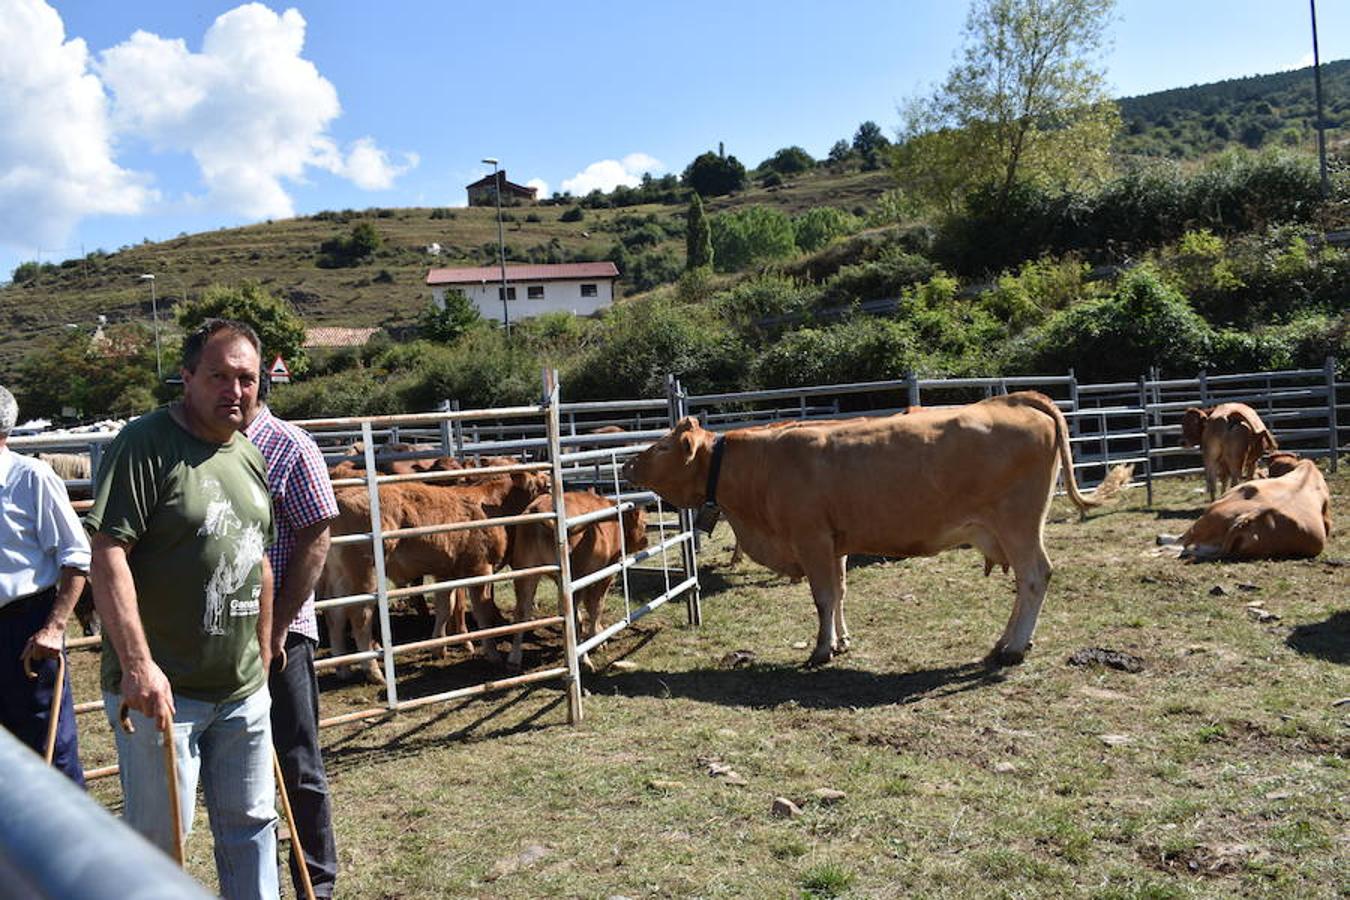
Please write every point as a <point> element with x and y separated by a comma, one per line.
<point>513,668</point>
<point>374,675</point>
<point>841,645</point>
<point>817,660</point>
<point>1001,657</point>
<point>586,665</point>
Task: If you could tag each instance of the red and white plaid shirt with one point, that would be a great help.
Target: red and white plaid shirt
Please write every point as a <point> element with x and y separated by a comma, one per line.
<point>301,496</point>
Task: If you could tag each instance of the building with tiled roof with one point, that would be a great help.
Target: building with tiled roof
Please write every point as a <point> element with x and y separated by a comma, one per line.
<point>331,336</point>
<point>579,288</point>
<point>483,191</point>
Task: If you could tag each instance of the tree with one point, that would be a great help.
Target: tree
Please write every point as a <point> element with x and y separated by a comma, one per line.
<point>789,161</point>
<point>361,244</point>
<point>1025,102</point>
<point>868,143</point>
<point>113,374</point>
<point>712,175</point>
<point>820,225</point>
<point>840,153</point>
<point>751,235</point>
<point>445,323</point>
<point>280,329</point>
<point>698,248</point>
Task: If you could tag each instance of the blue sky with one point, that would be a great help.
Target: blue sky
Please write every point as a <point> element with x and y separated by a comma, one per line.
<point>134,120</point>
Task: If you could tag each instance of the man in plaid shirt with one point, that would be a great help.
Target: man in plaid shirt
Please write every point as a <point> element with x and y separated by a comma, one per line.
<point>303,505</point>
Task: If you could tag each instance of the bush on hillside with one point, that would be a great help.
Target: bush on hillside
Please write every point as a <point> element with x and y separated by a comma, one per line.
<point>712,175</point>
<point>356,392</point>
<point>1038,288</point>
<point>749,236</point>
<point>572,214</point>
<point>887,276</point>
<point>746,305</point>
<point>821,225</point>
<point>279,327</point>
<point>861,349</point>
<point>789,161</point>
<point>1145,323</point>
<point>644,341</point>
<point>352,250</point>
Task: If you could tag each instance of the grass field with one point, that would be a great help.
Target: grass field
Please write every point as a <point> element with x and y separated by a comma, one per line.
<point>1220,769</point>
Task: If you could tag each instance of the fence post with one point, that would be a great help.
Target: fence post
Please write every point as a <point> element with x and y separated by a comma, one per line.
<point>553,425</point>
<point>912,385</point>
<point>1203,378</point>
<point>377,553</point>
<point>1073,399</point>
<point>677,409</point>
<point>447,439</point>
<point>1148,440</point>
<point>1333,431</point>
<point>458,427</point>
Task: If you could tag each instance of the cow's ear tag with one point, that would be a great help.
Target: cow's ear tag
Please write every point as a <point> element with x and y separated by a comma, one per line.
<point>707,518</point>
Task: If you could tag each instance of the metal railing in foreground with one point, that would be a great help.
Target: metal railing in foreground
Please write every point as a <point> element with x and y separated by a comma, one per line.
<point>57,842</point>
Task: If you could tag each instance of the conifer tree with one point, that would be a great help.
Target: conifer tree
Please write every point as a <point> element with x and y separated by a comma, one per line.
<point>697,236</point>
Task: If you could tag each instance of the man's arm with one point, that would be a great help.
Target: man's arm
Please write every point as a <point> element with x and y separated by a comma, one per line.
<point>46,642</point>
<point>145,687</point>
<point>302,574</point>
<point>265,616</point>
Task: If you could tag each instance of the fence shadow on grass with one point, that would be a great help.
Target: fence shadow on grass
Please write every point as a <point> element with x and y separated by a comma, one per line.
<point>768,686</point>
<point>1329,640</point>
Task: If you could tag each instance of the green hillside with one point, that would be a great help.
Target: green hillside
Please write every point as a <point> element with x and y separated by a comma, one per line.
<point>1276,110</point>
<point>386,290</point>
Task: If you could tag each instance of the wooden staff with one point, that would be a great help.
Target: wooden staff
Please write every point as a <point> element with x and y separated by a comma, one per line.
<point>171,767</point>
<point>296,849</point>
<point>54,715</point>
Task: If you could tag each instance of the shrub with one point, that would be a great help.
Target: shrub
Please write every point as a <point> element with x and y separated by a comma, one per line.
<point>447,322</point>
<point>481,370</point>
<point>26,272</point>
<point>1037,289</point>
<point>643,342</point>
<point>750,235</point>
<point>886,276</point>
<point>862,349</point>
<point>533,217</point>
<point>573,214</point>
<point>1145,323</point>
<point>821,225</point>
<point>648,270</point>
<point>356,392</point>
<point>789,161</point>
<point>712,175</point>
<point>766,297</point>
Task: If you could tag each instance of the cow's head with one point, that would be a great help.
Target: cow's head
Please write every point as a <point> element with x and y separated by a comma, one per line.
<point>635,529</point>
<point>672,466</point>
<point>1193,426</point>
<point>1281,463</point>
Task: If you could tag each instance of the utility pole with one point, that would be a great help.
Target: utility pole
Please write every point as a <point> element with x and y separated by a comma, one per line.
<point>1321,122</point>
<point>501,242</point>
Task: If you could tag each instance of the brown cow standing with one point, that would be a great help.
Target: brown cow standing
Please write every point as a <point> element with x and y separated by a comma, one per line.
<point>1285,515</point>
<point>444,555</point>
<point>1231,438</point>
<point>801,499</point>
<point>591,547</point>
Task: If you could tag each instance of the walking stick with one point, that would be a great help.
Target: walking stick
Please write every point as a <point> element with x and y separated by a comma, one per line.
<point>297,850</point>
<point>54,716</point>
<point>171,767</point>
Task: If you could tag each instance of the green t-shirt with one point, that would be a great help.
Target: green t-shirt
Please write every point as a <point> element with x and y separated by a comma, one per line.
<point>200,518</point>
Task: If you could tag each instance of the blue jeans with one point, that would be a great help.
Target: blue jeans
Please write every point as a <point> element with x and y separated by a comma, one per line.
<point>229,745</point>
<point>25,705</point>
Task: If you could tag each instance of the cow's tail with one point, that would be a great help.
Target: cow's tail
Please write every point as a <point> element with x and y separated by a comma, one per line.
<point>1047,406</point>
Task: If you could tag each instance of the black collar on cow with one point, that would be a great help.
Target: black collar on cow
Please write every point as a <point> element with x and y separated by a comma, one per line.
<point>714,470</point>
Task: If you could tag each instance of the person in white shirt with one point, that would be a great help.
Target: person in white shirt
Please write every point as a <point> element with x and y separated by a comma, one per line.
<point>44,562</point>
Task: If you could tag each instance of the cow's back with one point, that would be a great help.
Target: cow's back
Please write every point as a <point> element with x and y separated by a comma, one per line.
<point>899,485</point>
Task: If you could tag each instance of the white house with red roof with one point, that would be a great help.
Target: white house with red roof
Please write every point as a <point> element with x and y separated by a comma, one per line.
<point>531,290</point>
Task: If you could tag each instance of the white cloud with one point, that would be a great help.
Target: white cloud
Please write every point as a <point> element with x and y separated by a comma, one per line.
<point>56,161</point>
<point>248,108</point>
<point>607,174</point>
<point>1305,61</point>
<point>540,186</point>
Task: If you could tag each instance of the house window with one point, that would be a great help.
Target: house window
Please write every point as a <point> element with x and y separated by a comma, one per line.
<point>510,293</point>
<point>589,290</point>
<point>534,292</point>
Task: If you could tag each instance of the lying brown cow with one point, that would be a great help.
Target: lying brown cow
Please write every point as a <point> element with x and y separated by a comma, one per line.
<point>1285,515</point>
<point>801,499</point>
<point>1231,438</point>
<point>591,547</point>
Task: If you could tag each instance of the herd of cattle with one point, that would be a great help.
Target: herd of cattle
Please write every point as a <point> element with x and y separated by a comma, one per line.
<point>800,498</point>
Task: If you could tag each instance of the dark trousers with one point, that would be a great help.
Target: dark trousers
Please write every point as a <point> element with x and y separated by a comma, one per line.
<point>25,705</point>
<point>295,734</point>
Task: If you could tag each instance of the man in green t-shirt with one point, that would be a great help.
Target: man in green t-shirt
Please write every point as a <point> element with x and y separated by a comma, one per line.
<point>181,521</point>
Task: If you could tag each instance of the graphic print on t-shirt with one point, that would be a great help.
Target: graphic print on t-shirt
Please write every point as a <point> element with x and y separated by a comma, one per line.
<point>230,574</point>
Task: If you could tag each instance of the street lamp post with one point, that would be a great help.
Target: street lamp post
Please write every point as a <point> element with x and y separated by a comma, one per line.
<point>501,242</point>
<point>154,313</point>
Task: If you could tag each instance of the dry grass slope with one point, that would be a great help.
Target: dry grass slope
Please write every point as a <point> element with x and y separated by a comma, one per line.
<point>1218,770</point>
